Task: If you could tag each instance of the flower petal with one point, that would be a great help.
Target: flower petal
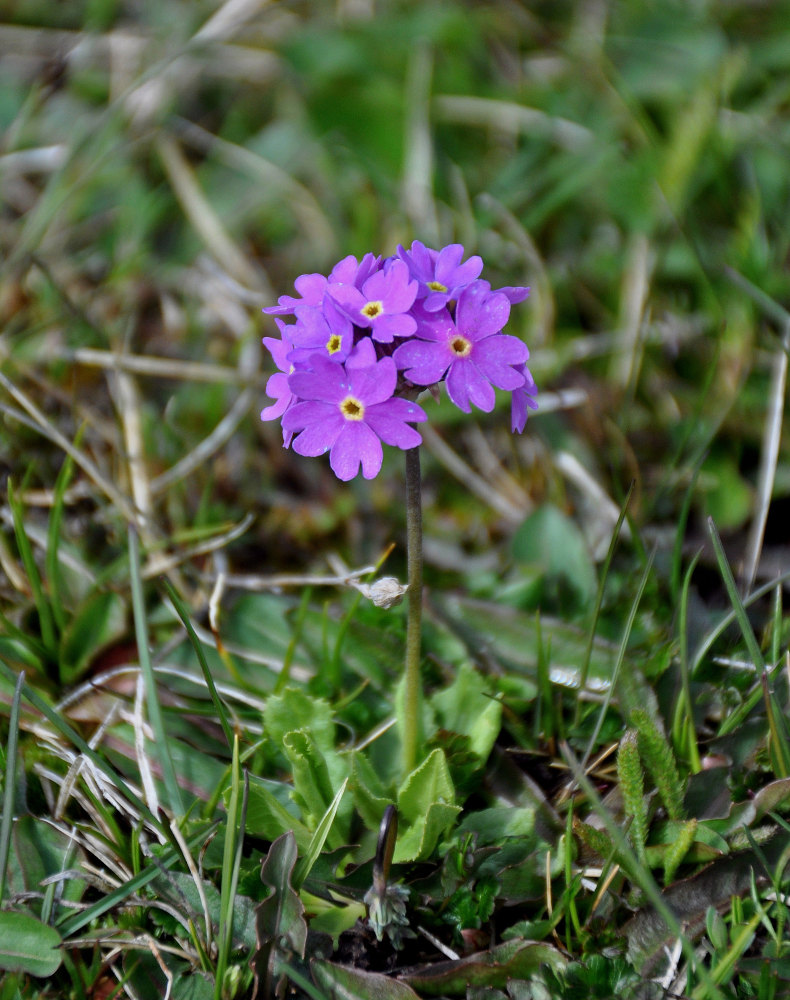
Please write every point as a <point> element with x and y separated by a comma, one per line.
<point>356,443</point>
<point>479,312</point>
<point>424,363</point>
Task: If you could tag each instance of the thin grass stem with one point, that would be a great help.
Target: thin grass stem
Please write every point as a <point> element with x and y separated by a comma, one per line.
<point>152,699</point>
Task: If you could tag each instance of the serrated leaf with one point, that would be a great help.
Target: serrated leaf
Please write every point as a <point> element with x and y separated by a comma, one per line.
<point>429,782</point>
<point>28,945</point>
<point>370,797</point>
<point>295,709</point>
<point>426,804</point>
<point>314,774</point>
<point>343,983</point>
<point>419,840</point>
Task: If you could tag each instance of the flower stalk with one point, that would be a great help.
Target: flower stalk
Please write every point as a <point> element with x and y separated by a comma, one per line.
<point>412,698</point>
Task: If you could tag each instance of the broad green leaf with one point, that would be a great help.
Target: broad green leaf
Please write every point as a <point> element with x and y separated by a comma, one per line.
<point>466,707</point>
<point>269,818</point>
<point>37,851</point>
<point>280,923</point>
<point>343,983</point>
<point>511,638</point>
<point>426,803</point>
<point>97,623</point>
<point>28,945</point>
<point>493,825</point>
<point>551,540</point>
<point>514,959</point>
<point>427,783</point>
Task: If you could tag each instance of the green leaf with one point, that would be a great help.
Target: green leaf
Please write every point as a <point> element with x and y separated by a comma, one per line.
<point>343,983</point>
<point>370,796</point>
<point>426,804</point>
<point>514,959</point>
<point>267,817</point>
<point>552,541</point>
<point>493,825</point>
<point>295,709</point>
<point>280,924</point>
<point>313,784</point>
<point>316,845</point>
<point>37,852</point>
<point>28,945</point>
<point>430,782</point>
<point>466,707</point>
<point>98,622</point>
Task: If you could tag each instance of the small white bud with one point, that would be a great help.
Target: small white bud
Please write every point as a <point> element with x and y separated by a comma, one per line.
<point>384,593</point>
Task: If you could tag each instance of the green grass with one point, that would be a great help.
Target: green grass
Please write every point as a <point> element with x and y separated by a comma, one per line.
<point>199,755</point>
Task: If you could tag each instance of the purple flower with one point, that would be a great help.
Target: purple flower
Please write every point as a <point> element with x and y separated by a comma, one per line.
<point>383,302</point>
<point>469,352</point>
<point>310,286</point>
<point>321,330</point>
<point>522,398</point>
<point>441,274</point>
<point>348,410</point>
<point>277,387</point>
<point>349,271</point>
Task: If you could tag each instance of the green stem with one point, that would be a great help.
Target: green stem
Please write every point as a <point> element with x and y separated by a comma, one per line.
<point>410,723</point>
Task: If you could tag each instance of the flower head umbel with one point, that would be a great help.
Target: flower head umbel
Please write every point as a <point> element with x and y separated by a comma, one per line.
<point>369,336</point>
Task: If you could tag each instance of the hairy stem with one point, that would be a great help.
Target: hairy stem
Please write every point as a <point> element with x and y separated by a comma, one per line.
<point>412,687</point>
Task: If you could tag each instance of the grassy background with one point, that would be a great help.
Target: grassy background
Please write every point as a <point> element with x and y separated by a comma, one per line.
<point>168,169</point>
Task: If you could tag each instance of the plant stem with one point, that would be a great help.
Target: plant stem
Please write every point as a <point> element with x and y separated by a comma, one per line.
<point>412,695</point>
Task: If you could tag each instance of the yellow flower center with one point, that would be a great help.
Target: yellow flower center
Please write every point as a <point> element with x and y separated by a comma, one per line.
<point>437,286</point>
<point>460,346</point>
<point>352,409</point>
<point>334,344</point>
<point>373,309</point>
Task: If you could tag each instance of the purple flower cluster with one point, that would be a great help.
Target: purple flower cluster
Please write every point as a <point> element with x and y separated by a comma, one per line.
<point>369,337</point>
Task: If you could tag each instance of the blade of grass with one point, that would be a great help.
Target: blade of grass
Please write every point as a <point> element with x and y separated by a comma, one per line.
<point>52,562</point>
<point>76,921</point>
<point>9,788</point>
<point>706,645</point>
<point>152,699</point>
<point>183,614</point>
<point>778,746</point>
<point>618,663</point>
<point>45,621</point>
<point>231,865</point>
<point>585,667</point>
<point>74,737</point>
<point>284,676</point>
<point>683,728</point>
<point>639,874</point>
<point>735,599</point>
<point>305,864</point>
